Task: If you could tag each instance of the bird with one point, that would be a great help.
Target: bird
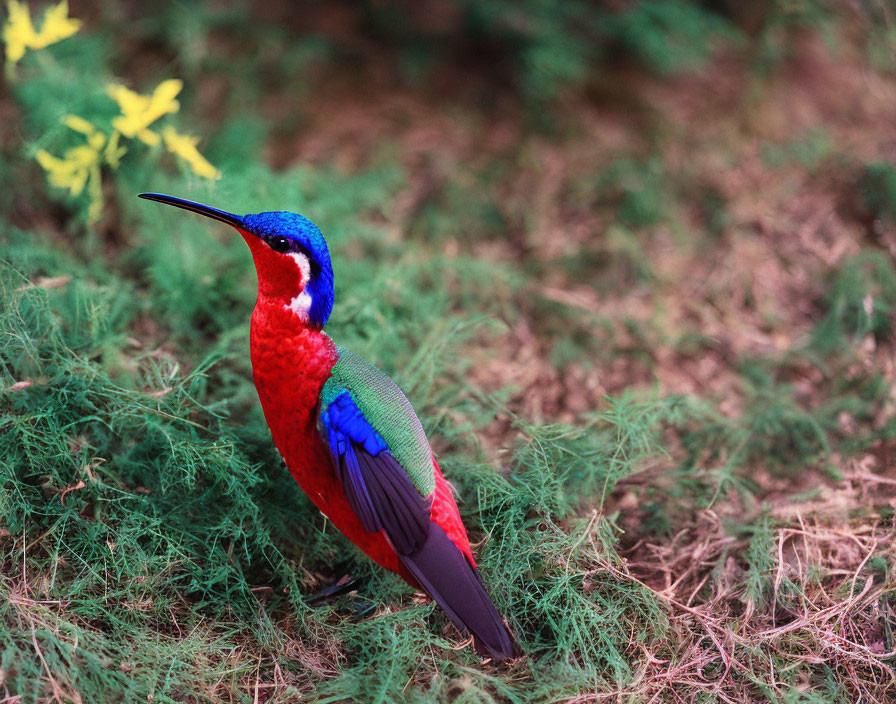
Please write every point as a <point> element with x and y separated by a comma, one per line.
<point>347,433</point>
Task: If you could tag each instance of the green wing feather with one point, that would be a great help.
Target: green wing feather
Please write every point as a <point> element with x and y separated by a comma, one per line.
<point>389,413</point>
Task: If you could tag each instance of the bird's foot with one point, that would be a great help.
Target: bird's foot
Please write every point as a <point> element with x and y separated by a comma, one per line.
<point>343,585</point>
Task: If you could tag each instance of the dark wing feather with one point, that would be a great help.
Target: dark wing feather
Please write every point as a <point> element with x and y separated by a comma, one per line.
<point>349,471</point>
<point>398,506</point>
<point>447,576</point>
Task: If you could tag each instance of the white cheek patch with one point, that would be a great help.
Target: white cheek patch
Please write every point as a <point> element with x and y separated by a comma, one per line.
<point>301,304</point>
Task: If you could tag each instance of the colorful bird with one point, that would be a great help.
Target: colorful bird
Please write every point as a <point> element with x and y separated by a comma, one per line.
<point>347,433</point>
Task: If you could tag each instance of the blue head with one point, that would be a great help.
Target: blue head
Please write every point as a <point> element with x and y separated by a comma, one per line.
<point>290,254</point>
<point>297,238</point>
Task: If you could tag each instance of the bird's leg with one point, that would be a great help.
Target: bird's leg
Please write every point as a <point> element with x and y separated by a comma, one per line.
<point>345,584</point>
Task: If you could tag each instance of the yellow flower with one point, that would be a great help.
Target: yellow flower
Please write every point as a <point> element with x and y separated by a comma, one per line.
<point>138,112</point>
<point>79,124</point>
<point>19,34</point>
<point>57,26</point>
<point>184,146</point>
<point>113,152</point>
<point>64,173</point>
<point>80,166</point>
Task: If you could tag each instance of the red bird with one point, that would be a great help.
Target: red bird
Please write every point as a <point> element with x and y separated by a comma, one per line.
<point>347,433</point>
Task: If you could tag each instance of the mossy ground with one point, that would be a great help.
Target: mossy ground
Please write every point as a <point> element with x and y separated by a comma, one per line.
<point>645,310</point>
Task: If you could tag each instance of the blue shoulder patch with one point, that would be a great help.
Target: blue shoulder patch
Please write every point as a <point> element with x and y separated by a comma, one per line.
<point>345,423</point>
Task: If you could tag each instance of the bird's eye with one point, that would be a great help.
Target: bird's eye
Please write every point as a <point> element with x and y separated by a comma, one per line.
<point>278,243</point>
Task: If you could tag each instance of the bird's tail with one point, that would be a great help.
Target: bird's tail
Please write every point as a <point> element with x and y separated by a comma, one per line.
<point>446,575</point>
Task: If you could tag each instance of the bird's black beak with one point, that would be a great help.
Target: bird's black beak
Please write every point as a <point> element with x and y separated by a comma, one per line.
<point>208,211</point>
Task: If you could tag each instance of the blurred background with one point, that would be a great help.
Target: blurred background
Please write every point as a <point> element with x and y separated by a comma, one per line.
<point>632,261</point>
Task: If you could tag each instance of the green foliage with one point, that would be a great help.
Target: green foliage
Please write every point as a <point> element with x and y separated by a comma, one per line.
<point>781,434</point>
<point>809,151</point>
<point>878,189</point>
<point>860,302</point>
<point>760,564</point>
<point>783,21</point>
<point>464,209</point>
<point>775,432</point>
<point>641,189</point>
<point>546,572</point>
<point>551,48</point>
<point>881,40</point>
<point>669,36</point>
<point>560,45</point>
<point>159,497</point>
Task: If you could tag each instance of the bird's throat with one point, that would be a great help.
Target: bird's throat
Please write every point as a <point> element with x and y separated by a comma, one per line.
<point>291,361</point>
